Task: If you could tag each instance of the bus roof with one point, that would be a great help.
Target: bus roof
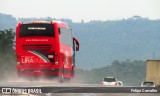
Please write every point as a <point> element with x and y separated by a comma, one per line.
<point>60,23</point>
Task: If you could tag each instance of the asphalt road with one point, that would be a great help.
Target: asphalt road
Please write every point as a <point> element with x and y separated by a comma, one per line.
<point>71,89</point>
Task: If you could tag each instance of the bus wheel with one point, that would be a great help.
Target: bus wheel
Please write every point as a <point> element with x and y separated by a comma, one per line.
<point>61,78</point>
<point>67,80</point>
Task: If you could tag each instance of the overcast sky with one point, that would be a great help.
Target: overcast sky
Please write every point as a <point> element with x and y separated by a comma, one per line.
<point>82,9</point>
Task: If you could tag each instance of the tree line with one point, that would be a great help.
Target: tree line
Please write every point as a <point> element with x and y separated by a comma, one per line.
<point>7,54</point>
<point>130,72</point>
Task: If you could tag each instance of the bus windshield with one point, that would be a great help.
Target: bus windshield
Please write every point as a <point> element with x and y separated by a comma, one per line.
<point>37,30</point>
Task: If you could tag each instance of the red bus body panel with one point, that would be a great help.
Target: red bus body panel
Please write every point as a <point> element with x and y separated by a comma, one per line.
<point>35,52</point>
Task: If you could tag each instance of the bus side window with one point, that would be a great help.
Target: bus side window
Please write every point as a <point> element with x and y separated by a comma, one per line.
<point>66,37</point>
<point>59,31</point>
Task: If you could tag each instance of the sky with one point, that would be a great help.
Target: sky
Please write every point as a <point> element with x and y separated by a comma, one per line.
<point>78,10</point>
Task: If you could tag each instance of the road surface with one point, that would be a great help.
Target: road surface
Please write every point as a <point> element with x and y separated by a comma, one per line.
<point>70,89</point>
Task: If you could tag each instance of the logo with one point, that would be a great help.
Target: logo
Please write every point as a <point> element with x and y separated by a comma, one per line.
<point>6,90</point>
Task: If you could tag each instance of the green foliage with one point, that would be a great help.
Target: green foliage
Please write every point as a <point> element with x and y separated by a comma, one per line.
<point>7,56</point>
<point>6,40</point>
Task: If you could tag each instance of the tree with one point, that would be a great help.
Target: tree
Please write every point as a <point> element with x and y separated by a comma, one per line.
<point>6,40</point>
<point>7,56</point>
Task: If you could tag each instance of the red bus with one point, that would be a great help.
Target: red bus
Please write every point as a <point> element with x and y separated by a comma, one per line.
<point>45,48</point>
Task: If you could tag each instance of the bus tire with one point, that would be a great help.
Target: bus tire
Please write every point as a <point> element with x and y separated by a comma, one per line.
<point>61,78</point>
<point>67,80</point>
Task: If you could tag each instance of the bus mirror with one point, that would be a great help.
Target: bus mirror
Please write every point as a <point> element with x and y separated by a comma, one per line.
<point>77,43</point>
<point>59,31</point>
<point>77,48</point>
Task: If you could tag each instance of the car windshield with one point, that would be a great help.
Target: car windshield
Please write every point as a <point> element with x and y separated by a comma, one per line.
<point>148,83</point>
<point>109,79</point>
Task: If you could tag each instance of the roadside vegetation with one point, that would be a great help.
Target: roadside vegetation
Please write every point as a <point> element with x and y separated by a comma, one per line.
<point>130,72</point>
<point>7,54</point>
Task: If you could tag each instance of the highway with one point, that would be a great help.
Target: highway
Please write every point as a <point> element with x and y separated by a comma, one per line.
<point>71,89</point>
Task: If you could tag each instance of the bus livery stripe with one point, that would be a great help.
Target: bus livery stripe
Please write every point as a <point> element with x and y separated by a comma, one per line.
<point>40,56</point>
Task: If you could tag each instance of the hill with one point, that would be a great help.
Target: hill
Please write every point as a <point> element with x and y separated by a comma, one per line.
<point>7,21</point>
<point>102,42</point>
<point>105,41</point>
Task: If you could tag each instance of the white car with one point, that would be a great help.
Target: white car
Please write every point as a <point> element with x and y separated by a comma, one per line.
<point>148,84</point>
<point>111,81</point>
